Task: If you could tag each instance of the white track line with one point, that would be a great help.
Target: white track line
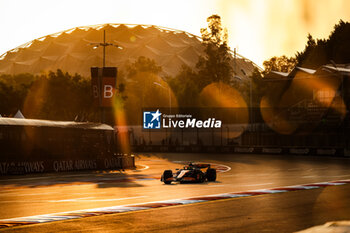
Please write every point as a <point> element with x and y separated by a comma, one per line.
<point>159,204</point>
<point>141,169</point>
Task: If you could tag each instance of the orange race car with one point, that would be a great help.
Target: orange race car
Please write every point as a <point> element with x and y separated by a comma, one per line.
<point>191,173</point>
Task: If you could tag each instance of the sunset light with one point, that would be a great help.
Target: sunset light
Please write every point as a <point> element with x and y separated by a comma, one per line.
<point>258,29</point>
<point>154,116</point>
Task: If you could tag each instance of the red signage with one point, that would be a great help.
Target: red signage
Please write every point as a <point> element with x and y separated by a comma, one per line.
<point>103,84</point>
<point>108,91</point>
<point>95,87</point>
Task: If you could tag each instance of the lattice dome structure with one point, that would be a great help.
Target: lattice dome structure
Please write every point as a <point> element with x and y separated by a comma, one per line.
<point>71,50</point>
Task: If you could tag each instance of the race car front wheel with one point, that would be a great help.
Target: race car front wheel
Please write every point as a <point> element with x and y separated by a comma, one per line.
<point>167,176</point>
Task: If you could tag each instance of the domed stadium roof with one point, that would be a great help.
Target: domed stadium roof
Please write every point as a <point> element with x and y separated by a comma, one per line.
<point>71,50</point>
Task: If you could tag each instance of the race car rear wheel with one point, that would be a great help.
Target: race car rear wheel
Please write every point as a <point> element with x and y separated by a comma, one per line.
<point>211,174</point>
<point>167,175</point>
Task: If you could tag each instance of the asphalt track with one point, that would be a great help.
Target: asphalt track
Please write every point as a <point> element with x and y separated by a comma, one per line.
<point>23,196</point>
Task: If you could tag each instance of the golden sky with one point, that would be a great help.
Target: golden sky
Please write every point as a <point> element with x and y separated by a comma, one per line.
<point>259,29</point>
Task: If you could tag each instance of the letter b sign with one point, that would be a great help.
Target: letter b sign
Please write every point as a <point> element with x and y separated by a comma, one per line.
<point>108,91</point>
<point>103,82</point>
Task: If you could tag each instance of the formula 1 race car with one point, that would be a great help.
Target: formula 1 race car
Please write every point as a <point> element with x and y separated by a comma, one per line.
<point>192,173</point>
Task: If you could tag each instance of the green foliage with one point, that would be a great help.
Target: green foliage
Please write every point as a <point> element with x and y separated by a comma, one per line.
<point>320,52</point>
<point>281,64</point>
<point>215,33</point>
<point>67,96</point>
<point>143,64</point>
<point>215,66</point>
<point>185,87</point>
<point>140,89</point>
<point>316,53</point>
<point>54,96</point>
<point>13,90</point>
<point>18,79</point>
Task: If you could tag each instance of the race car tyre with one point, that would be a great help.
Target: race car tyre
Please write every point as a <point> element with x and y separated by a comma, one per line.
<point>211,174</point>
<point>201,177</point>
<point>166,175</point>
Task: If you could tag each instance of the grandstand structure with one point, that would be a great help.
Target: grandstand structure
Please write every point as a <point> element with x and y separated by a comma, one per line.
<point>71,50</point>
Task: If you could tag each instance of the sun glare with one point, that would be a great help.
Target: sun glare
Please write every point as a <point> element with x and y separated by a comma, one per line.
<point>258,29</point>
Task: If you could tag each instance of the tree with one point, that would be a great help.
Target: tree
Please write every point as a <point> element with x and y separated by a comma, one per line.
<point>54,96</point>
<point>58,96</point>
<point>185,87</point>
<point>144,88</point>
<point>13,91</point>
<point>215,65</point>
<point>322,51</point>
<point>280,64</point>
<point>143,64</point>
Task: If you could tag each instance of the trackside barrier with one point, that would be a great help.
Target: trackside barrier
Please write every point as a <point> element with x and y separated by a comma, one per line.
<point>25,167</point>
<point>243,150</point>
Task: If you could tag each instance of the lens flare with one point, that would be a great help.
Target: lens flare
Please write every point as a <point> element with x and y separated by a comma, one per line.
<point>121,125</point>
<point>274,118</point>
<point>143,90</point>
<point>303,103</point>
<point>220,95</point>
<point>33,107</point>
<point>146,90</point>
<point>34,101</point>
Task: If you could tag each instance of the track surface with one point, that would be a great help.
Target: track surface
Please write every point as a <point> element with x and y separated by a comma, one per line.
<point>284,212</point>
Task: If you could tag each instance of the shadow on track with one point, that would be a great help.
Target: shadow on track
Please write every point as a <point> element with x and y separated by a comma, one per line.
<point>103,179</point>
